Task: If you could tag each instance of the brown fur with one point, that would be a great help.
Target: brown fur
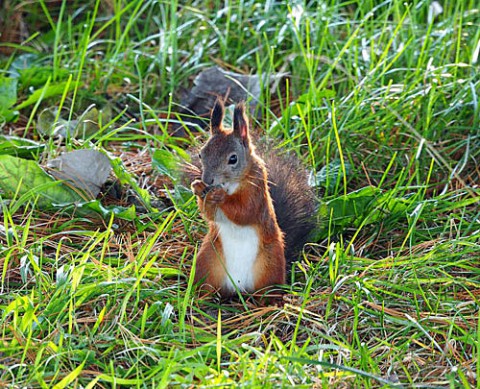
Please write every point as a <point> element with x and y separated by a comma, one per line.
<point>249,205</point>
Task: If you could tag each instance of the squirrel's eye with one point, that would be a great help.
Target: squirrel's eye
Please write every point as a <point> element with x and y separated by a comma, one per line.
<point>233,159</point>
<point>199,156</point>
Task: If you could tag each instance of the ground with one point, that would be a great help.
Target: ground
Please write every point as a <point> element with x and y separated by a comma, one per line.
<point>380,105</point>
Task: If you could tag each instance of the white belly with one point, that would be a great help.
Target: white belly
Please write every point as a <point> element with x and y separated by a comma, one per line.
<point>240,249</point>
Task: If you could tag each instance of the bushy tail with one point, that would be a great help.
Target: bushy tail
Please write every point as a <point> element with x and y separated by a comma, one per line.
<point>293,199</point>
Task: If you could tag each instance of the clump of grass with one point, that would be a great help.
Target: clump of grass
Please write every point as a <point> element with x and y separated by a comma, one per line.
<point>383,93</point>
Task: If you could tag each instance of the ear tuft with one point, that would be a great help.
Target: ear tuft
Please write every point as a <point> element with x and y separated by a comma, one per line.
<point>216,118</point>
<point>240,123</point>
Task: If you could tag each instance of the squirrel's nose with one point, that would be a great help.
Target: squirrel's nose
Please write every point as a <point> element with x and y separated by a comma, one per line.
<point>208,180</point>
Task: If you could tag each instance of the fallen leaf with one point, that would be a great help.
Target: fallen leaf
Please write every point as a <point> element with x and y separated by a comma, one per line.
<point>51,124</point>
<point>20,147</point>
<point>25,180</point>
<point>8,97</point>
<point>364,206</point>
<point>165,161</point>
<point>329,175</point>
<point>84,169</point>
<point>125,213</point>
<point>213,83</point>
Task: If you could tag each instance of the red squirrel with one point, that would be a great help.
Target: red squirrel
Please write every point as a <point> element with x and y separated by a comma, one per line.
<point>245,203</point>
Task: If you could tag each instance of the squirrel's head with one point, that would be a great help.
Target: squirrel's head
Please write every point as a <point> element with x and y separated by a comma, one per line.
<point>227,153</point>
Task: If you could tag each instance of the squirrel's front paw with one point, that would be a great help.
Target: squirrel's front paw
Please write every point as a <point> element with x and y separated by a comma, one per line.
<point>199,188</point>
<point>216,196</point>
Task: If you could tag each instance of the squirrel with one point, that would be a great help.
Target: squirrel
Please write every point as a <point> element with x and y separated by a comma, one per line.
<point>259,210</point>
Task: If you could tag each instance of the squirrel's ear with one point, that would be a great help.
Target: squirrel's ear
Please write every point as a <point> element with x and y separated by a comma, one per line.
<point>217,117</point>
<point>240,123</point>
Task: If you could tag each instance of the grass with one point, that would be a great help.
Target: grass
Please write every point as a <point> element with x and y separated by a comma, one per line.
<point>384,108</point>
